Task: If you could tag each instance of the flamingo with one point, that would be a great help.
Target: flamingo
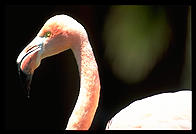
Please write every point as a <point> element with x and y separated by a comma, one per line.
<point>62,32</point>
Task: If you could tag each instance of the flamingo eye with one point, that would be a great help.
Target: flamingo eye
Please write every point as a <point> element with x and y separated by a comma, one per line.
<point>47,34</point>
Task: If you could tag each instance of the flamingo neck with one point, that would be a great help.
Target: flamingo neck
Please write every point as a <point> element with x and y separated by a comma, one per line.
<point>87,102</point>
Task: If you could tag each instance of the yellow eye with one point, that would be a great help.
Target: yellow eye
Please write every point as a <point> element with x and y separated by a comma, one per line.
<point>47,34</point>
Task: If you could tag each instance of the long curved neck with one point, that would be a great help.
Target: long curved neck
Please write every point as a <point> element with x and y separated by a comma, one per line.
<point>87,102</point>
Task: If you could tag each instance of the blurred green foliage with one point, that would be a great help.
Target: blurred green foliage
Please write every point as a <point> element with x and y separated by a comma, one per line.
<point>136,37</point>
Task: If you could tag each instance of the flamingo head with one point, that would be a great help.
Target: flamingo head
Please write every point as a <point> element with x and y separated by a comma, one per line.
<point>58,34</point>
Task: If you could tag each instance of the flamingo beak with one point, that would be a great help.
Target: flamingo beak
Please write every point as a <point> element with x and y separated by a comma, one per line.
<point>25,79</point>
<point>28,60</point>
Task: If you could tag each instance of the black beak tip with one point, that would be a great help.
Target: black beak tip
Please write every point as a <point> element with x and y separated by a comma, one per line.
<point>25,79</point>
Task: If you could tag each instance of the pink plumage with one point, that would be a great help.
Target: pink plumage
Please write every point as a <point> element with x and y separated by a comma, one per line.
<point>61,32</point>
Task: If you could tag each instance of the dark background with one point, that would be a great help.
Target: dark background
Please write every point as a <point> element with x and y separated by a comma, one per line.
<point>55,83</point>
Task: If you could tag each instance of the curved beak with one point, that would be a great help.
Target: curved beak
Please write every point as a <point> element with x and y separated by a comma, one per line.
<point>28,60</point>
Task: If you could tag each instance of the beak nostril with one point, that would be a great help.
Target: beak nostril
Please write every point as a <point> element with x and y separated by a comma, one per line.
<point>31,48</point>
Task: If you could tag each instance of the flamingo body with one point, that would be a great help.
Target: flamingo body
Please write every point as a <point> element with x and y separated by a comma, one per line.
<point>162,111</point>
